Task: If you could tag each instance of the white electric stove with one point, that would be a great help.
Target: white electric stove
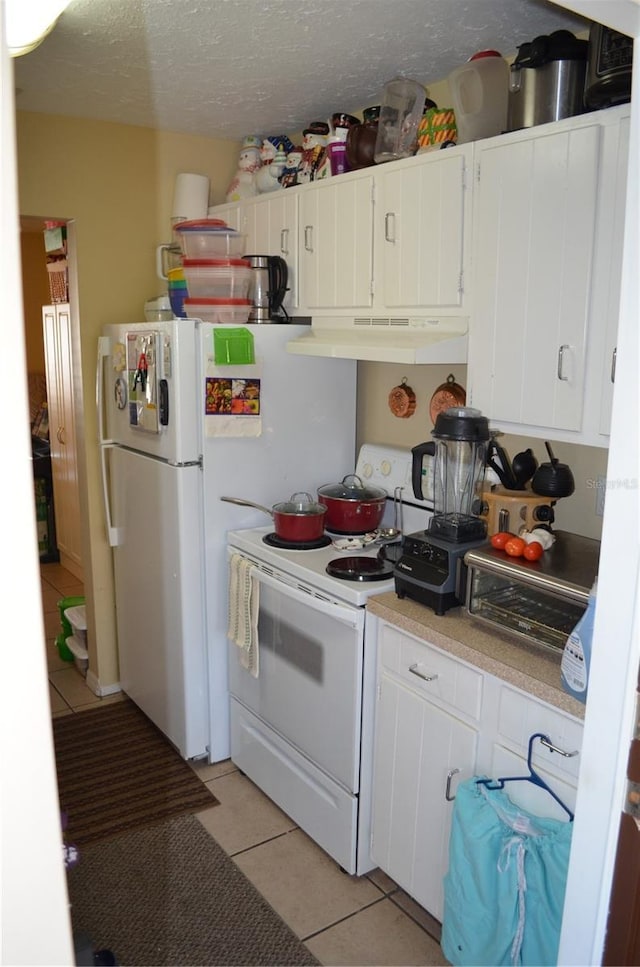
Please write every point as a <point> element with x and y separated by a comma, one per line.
<point>302,728</point>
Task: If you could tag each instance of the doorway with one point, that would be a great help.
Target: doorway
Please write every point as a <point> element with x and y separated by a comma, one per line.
<point>52,365</point>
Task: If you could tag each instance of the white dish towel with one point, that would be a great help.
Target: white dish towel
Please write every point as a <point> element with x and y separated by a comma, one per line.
<point>244,599</point>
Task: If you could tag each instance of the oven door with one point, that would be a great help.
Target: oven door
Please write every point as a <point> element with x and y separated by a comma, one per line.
<point>309,688</point>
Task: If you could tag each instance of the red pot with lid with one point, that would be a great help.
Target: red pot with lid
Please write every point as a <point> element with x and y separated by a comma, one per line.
<point>352,507</point>
<point>298,520</point>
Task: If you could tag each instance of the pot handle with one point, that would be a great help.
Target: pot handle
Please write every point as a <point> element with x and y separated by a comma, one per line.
<point>247,503</point>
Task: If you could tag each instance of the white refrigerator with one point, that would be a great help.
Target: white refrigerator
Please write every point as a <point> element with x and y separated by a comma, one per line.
<point>188,412</point>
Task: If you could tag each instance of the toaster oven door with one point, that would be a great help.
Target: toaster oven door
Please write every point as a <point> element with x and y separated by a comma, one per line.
<point>535,613</point>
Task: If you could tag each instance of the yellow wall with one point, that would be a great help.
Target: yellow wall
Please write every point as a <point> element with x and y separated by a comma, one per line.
<point>116,183</point>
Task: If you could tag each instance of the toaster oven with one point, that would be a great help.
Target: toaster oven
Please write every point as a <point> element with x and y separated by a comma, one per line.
<point>540,601</point>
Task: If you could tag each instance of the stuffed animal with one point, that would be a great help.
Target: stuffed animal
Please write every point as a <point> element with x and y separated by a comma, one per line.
<point>243,184</point>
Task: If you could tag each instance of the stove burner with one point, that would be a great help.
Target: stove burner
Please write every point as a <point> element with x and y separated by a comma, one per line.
<point>274,541</point>
<point>391,553</point>
<point>360,569</point>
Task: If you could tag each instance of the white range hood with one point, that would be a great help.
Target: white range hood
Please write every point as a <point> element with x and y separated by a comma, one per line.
<point>385,339</point>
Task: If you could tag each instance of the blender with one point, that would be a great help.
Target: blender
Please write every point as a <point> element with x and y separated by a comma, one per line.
<point>431,568</point>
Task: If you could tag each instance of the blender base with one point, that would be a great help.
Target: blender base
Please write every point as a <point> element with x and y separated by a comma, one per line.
<point>432,571</point>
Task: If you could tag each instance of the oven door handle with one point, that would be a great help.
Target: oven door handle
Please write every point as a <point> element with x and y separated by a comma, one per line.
<point>353,617</point>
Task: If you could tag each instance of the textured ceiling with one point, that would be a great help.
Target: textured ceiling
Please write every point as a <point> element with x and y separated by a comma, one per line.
<point>226,68</point>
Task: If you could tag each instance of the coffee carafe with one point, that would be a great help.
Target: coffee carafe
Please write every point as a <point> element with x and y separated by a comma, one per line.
<point>431,568</point>
<point>268,288</point>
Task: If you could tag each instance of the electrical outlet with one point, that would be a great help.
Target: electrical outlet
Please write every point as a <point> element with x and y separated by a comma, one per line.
<point>601,490</point>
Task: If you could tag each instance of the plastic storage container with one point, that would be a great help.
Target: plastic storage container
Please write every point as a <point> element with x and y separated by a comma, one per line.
<point>224,279</point>
<point>80,655</point>
<point>209,239</point>
<point>219,310</point>
<point>61,641</point>
<point>400,112</point>
<point>480,94</point>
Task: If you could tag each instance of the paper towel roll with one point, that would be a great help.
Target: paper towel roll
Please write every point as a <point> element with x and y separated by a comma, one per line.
<point>190,197</point>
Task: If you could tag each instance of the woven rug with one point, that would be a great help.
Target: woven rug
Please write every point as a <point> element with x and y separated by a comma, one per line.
<point>169,895</point>
<point>117,771</point>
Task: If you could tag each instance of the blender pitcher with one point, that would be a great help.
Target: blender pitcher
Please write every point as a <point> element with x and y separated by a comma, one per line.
<point>400,114</point>
<point>460,440</point>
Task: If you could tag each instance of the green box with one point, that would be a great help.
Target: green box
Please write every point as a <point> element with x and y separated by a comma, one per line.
<point>233,347</point>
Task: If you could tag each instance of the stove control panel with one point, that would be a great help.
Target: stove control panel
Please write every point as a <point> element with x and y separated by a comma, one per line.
<point>390,468</point>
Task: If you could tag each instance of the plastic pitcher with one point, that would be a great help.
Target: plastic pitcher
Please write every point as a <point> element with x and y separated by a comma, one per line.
<point>400,113</point>
<point>480,95</point>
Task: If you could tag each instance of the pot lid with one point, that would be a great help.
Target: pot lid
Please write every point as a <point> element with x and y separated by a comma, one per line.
<point>300,505</point>
<point>351,487</point>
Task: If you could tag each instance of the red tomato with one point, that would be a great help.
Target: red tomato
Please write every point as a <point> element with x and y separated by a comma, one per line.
<point>499,540</point>
<point>515,547</point>
<point>533,551</point>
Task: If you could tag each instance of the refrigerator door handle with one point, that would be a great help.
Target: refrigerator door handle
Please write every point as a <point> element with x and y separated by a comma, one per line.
<point>104,350</point>
<point>114,534</point>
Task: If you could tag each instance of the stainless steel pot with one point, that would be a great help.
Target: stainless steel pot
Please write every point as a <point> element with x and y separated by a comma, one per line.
<point>547,80</point>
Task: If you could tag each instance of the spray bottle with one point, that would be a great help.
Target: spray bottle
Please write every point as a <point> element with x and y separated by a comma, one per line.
<point>576,657</point>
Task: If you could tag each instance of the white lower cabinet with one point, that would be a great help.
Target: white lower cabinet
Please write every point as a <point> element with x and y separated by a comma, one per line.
<point>440,721</point>
<point>423,747</point>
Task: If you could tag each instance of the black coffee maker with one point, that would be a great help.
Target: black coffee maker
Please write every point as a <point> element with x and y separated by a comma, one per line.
<point>268,288</point>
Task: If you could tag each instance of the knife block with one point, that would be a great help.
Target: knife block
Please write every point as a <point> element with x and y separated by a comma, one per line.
<point>509,510</point>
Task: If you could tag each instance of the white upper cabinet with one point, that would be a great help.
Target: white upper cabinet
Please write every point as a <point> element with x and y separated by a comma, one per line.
<point>336,243</point>
<point>421,209</point>
<point>270,222</point>
<point>544,280</point>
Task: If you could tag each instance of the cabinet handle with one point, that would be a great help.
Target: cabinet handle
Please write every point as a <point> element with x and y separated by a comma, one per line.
<point>561,361</point>
<point>554,748</point>
<point>447,792</point>
<point>613,364</point>
<point>426,678</point>
<point>60,435</point>
<point>308,238</point>
<point>284,238</point>
<point>390,220</point>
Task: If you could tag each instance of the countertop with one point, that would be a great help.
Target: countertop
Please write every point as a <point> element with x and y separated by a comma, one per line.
<point>532,668</point>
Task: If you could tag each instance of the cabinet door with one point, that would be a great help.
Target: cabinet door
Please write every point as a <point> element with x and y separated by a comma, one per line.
<point>417,745</point>
<point>62,433</point>
<point>420,210</point>
<point>534,222</point>
<point>336,244</point>
<point>271,226</point>
<point>614,257</point>
<point>229,213</point>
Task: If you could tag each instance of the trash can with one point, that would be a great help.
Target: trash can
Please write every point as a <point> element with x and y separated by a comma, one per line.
<point>67,630</point>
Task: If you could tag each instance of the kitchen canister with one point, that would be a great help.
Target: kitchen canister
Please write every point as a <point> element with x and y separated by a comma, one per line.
<point>190,198</point>
<point>479,93</point>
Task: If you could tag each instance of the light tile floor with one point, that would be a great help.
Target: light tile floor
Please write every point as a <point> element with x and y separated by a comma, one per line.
<point>342,919</point>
